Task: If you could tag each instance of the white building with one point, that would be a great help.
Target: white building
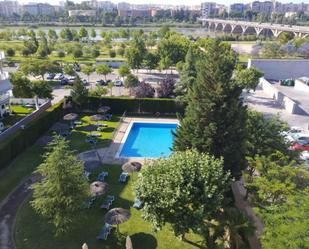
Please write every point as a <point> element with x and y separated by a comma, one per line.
<point>208,9</point>
<point>8,8</point>
<point>82,13</point>
<point>36,9</point>
<point>5,87</point>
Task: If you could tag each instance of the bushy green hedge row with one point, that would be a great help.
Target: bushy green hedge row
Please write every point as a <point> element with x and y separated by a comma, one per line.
<point>17,143</point>
<point>136,106</point>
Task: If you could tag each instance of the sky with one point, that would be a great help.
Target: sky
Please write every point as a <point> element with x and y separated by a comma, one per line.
<point>174,2</point>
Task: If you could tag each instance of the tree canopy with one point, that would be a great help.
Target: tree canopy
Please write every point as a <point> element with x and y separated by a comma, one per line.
<point>184,190</point>
<point>63,189</point>
<point>215,117</point>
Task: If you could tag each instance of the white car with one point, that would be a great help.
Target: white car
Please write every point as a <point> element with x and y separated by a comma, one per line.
<point>118,83</point>
<point>59,76</point>
<point>71,78</point>
<point>293,133</point>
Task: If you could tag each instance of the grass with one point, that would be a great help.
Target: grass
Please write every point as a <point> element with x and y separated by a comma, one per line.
<point>19,112</point>
<point>26,163</point>
<point>32,231</point>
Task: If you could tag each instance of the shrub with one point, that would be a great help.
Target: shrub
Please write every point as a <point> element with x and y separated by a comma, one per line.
<point>10,52</point>
<point>77,53</point>
<point>144,90</point>
<point>112,53</point>
<point>60,54</point>
<point>136,106</point>
<point>15,144</point>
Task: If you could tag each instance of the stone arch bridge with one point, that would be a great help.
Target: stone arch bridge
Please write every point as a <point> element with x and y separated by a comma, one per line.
<point>251,28</point>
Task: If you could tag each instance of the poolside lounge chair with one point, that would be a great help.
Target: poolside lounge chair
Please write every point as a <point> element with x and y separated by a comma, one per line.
<point>87,174</point>
<point>123,177</point>
<point>104,232</point>
<point>137,204</point>
<point>101,124</point>
<point>108,202</point>
<point>78,122</point>
<point>101,176</point>
<point>107,117</point>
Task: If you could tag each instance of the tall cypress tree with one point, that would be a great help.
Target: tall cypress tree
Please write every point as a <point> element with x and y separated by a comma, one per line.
<point>215,117</point>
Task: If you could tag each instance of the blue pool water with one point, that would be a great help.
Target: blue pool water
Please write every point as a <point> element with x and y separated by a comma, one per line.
<point>149,140</point>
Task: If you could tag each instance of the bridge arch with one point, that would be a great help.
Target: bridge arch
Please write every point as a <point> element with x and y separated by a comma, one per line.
<point>220,27</point>
<point>237,29</point>
<point>249,31</point>
<point>227,28</point>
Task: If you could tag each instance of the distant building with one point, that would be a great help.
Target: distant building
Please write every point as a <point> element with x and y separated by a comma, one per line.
<point>73,13</point>
<point>208,9</point>
<point>103,5</point>
<point>9,8</point>
<point>134,13</point>
<point>123,6</point>
<point>36,9</point>
<point>237,8</point>
<point>5,87</point>
<point>262,7</point>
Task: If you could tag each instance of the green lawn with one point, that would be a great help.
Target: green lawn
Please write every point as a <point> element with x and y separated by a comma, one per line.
<point>26,163</point>
<point>19,112</point>
<point>33,232</point>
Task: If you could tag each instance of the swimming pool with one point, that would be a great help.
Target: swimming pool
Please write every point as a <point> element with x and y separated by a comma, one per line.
<point>150,140</point>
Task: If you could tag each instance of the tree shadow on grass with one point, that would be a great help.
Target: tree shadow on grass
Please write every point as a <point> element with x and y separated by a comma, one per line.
<point>144,240</point>
<point>194,243</point>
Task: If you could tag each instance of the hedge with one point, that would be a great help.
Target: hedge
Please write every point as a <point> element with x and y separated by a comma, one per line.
<point>136,105</point>
<point>12,146</point>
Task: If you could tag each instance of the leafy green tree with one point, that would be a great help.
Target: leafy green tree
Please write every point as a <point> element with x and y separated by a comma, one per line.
<point>98,91</point>
<point>271,50</point>
<point>265,135</point>
<point>123,71</point>
<point>120,51</point>
<point>184,190</point>
<point>43,49</point>
<point>131,81</point>
<point>83,33</point>
<point>187,72</point>
<point>163,31</point>
<point>151,61</point>
<point>77,53</point>
<point>52,36</point>
<point>285,37</point>
<point>95,53</point>
<point>10,52</point>
<point>88,70</point>
<point>215,117</point>
<point>93,33</point>
<point>59,195</point>
<point>61,54</point>
<point>66,34</point>
<point>112,53</point>
<point>69,70</point>
<point>110,86</point>
<point>79,92</point>
<point>39,67</point>
<point>42,89</point>
<point>248,78</point>
<point>22,87</point>
<point>173,48</point>
<point>136,52</point>
<point>103,69</point>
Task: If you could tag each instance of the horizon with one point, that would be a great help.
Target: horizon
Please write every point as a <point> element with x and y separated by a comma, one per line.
<point>159,2</point>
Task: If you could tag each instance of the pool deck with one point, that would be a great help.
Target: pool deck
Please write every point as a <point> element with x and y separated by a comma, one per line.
<point>108,155</point>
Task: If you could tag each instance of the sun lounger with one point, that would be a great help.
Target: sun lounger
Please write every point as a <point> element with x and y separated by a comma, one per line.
<point>78,122</point>
<point>104,232</point>
<point>137,204</point>
<point>101,176</point>
<point>123,177</point>
<point>108,202</point>
<point>89,202</point>
<point>87,174</point>
<point>101,125</point>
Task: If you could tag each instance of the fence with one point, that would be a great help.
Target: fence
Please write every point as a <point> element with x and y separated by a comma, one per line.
<point>23,122</point>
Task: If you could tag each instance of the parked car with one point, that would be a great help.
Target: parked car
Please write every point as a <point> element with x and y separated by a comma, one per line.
<point>64,81</point>
<point>118,83</point>
<point>101,83</point>
<point>76,67</point>
<point>72,78</point>
<point>59,76</point>
<point>85,82</point>
<point>50,76</point>
<point>300,146</point>
<point>293,133</point>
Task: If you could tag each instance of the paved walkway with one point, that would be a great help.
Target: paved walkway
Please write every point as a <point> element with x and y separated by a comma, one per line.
<point>8,210</point>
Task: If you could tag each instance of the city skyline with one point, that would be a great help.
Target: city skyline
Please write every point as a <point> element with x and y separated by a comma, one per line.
<point>161,2</point>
